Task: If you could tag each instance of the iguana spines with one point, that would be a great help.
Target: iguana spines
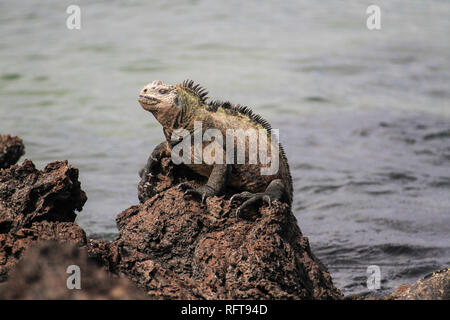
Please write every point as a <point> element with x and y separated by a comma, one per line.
<point>182,105</point>
<point>214,106</point>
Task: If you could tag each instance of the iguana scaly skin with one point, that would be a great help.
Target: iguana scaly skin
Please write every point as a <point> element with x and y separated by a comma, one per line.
<point>177,107</point>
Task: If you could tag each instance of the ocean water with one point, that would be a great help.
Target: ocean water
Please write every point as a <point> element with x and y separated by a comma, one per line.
<point>364,115</point>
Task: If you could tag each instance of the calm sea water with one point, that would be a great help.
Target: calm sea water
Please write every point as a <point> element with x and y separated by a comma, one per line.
<point>364,115</point>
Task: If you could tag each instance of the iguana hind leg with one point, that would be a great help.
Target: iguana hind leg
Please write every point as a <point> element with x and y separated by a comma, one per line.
<point>214,186</point>
<point>274,191</point>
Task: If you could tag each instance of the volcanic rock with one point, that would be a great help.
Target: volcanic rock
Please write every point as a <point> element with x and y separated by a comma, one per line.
<point>11,149</point>
<point>178,248</point>
<point>37,205</point>
<point>46,270</point>
<point>434,286</point>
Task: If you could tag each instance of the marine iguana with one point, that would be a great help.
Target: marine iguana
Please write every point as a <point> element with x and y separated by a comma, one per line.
<point>177,107</point>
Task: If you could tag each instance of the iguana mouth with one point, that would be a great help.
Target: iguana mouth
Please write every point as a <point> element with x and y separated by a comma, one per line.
<point>148,100</point>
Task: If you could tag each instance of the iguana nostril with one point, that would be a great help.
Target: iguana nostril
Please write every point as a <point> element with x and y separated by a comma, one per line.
<point>145,91</point>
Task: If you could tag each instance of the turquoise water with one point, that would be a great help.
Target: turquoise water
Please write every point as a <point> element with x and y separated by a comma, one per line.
<point>364,115</point>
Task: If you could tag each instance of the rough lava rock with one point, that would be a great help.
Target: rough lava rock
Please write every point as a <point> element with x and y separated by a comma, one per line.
<point>180,249</point>
<point>42,274</point>
<point>434,286</point>
<point>173,248</point>
<point>11,149</point>
<point>29,195</point>
<point>37,205</point>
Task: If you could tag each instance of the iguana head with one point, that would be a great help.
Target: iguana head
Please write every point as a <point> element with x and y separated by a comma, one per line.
<point>158,97</point>
<point>172,105</point>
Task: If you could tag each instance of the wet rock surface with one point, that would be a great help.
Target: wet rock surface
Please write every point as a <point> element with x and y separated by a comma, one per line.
<point>42,274</point>
<point>11,149</point>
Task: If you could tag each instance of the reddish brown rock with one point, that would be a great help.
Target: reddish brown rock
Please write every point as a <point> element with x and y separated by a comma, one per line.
<point>29,195</point>
<point>14,244</point>
<point>177,248</point>
<point>435,286</point>
<point>42,274</point>
<point>11,149</point>
<point>171,247</point>
<point>37,205</point>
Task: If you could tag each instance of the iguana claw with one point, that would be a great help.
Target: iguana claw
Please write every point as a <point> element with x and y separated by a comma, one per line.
<point>250,199</point>
<point>202,192</point>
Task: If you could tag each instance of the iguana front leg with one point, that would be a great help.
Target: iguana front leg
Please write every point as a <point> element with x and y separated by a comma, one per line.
<point>159,152</point>
<point>215,185</point>
<point>144,187</point>
<point>274,191</point>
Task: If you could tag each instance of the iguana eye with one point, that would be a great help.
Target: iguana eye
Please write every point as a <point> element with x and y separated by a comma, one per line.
<point>162,91</point>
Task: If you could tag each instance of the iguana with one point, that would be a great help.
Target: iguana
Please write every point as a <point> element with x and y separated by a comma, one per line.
<point>177,107</point>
